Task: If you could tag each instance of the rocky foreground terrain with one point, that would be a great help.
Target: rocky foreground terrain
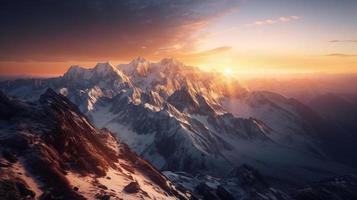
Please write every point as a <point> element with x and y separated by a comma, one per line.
<point>49,150</point>
<point>211,137</point>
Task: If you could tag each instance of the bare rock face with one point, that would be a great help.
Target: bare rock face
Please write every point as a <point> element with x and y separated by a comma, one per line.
<point>178,118</point>
<point>13,189</point>
<point>132,187</point>
<point>49,150</point>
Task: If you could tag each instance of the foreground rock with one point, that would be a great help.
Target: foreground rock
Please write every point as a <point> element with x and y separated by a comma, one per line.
<point>181,118</point>
<point>49,150</point>
<point>132,187</point>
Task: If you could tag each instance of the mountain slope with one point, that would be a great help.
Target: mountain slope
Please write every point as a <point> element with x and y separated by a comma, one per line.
<point>50,150</point>
<point>245,182</point>
<point>181,118</point>
<point>341,112</point>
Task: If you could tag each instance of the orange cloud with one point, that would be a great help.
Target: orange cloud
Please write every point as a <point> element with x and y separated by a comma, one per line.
<point>343,41</point>
<point>341,55</point>
<point>106,30</point>
<point>206,53</point>
<point>282,19</point>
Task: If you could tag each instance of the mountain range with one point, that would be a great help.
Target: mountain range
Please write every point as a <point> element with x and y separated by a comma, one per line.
<point>203,130</point>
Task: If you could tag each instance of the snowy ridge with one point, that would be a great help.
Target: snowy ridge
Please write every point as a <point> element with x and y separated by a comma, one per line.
<point>50,150</point>
<point>101,70</point>
<point>183,119</point>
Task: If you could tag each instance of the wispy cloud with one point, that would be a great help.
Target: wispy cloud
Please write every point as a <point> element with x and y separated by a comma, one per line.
<point>106,29</point>
<point>282,19</point>
<point>343,41</point>
<point>207,53</point>
<point>341,55</point>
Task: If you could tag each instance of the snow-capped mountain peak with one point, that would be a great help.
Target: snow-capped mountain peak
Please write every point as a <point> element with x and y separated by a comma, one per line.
<point>139,59</point>
<point>170,61</point>
<point>74,70</point>
<point>103,70</point>
<point>182,118</point>
<point>139,66</point>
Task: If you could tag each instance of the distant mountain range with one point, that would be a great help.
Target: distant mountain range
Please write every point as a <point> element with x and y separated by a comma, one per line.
<point>192,124</point>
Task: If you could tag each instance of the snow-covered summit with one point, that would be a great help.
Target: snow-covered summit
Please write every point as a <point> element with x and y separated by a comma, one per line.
<point>104,68</point>
<point>170,61</point>
<point>101,71</point>
<point>182,118</point>
<point>138,59</point>
<point>74,70</point>
<point>138,66</point>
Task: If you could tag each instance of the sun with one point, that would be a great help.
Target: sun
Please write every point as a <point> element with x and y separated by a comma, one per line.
<point>228,71</point>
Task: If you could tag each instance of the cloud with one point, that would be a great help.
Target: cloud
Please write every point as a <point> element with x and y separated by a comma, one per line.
<point>282,19</point>
<point>341,55</point>
<point>106,29</point>
<point>343,41</point>
<point>206,53</point>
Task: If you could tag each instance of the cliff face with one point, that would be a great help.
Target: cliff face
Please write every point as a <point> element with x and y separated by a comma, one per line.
<point>49,150</point>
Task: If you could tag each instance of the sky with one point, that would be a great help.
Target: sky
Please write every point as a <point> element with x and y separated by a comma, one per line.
<point>45,37</point>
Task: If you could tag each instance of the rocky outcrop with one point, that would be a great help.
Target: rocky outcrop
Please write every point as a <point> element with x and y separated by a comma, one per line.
<point>181,118</point>
<point>48,146</point>
<point>132,187</point>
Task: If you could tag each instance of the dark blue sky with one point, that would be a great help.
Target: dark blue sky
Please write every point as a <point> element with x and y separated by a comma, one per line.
<point>232,32</point>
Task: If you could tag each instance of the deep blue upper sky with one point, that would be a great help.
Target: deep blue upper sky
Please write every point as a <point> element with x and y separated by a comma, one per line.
<point>195,30</point>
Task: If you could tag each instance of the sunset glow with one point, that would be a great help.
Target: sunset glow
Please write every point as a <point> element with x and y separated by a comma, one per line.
<point>178,99</point>
<point>228,72</point>
<point>252,37</point>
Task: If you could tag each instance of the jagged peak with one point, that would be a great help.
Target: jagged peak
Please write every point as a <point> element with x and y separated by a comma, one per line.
<point>138,65</point>
<point>50,96</point>
<point>170,61</point>
<point>104,68</point>
<point>100,66</point>
<point>187,98</point>
<point>183,98</point>
<point>104,65</point>
<point>138,59</point>
<point>100,70</point>
<point>74,69</point>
